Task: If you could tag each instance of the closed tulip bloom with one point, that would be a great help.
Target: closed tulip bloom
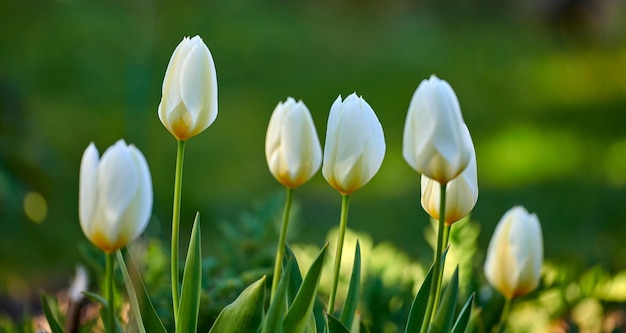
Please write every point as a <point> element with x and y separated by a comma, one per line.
<point>292,147</point>
<point>115,195</point>
<point>189,101</point>
<point>355,144</point>
<point>515,254</point>
<point>461,192</point>
<point>433,141</point>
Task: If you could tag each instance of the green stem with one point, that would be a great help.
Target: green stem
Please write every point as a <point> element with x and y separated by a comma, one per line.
<point>280,251</point>
<point>343,222</point>
<point>505,315</point>
<point>109,283</point>
<point>446,237</point>
<point>435,287</point>
<point>178,185</point>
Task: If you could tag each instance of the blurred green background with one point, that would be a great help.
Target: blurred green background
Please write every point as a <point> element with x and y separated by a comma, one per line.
<point>542,86</point>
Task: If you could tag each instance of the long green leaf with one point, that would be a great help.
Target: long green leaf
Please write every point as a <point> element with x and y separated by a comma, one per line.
<point>460,326</point>
<point>273,321</point>
<point>296,275</point>
<point>418,308</point>
<point>47,310</point>
<point>299,312</point>
<point>352,300</point>
<point>191,287</point>
<point>445,313</point>
<point>336,326</point>
<point>245,314</point>
<point>144,312</point>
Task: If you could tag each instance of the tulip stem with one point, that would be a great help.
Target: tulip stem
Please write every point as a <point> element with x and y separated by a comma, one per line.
<point>343,222</point>
<point>109,285</point>
<point>505,315</point>
<point>435,287</point>
<point>280,251</point>
<point>446,237</point>
<point>178,185</point>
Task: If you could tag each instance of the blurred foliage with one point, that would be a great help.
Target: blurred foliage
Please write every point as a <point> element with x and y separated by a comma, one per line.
<point>592,300</point>
<point>539,83</point>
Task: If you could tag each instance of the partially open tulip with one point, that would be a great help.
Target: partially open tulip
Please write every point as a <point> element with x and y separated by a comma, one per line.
<point>115,195</point>
<point>355,144</point>
<point>189,101</point>
<point>433,141</point>
<point>292,147</point>
<point>461,192</point>
<point>515,253</point>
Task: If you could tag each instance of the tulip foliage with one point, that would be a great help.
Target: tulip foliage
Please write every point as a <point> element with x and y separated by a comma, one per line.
<point>115,204</point>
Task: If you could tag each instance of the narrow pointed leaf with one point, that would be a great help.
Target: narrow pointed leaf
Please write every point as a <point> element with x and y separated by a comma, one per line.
<point>352,300</point>
<point>47,310</point>
<point>296,275</point>
<point>356,324</point>
<point>460,326</point>
<point>300,310</point>
<point>311,325</point>
<point>319,314</point>
<point>336,326</point>
<point>143,309</point>
<point>445,313</point>
<point>245,314</point>
<point>418,308</point>
<point>273,321</point>
<point>191,287</point>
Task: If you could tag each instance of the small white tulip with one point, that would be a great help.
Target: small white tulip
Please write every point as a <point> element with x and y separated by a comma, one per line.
<point>355,144</point>
<point>515,254</point>
<point>115,195</point>
<point>433,139</point>
<point>461,192</point>
<point>189,101</point>
<point>292,147</point>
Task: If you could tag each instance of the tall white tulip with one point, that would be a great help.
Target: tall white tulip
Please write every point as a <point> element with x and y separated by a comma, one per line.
<point>115,195</point>
<point>355,144</point>
<point>292,147</point>
<point>515,253</point>
<point>461,192</point>
<point>433,139</point>
<point>189,101</point>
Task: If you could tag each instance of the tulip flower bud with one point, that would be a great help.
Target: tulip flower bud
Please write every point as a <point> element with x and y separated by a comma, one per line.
<point>515,254</point>
<point>189,101</point>
<point>355,144</point>
<point>433,139</point>
<point>461,192</point>
<point>292,147</point>
<point>115,195</point>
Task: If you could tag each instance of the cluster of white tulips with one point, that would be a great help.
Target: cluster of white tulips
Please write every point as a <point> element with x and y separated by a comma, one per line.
<point>115,204</point>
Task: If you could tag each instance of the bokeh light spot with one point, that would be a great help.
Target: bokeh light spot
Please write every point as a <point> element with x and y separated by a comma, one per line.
<point>35,207</point>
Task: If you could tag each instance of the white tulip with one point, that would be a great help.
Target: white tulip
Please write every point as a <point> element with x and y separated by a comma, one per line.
<point>461,192</point>
<point>115,195</point>
<point>355,144</point>
<point>515,254</point>
<point>292,147</point>
<point>433,139</point>
<point>189,101</point>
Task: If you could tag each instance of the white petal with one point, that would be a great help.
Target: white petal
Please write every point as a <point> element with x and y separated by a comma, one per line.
<point>171,83</point>
<point>198,89</point>
<point>88,188</point>
<point>117,183</point>
<point>138,214</point>
<point>330,142</point>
